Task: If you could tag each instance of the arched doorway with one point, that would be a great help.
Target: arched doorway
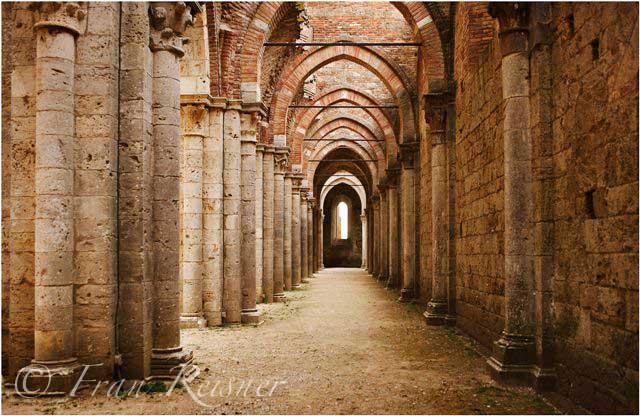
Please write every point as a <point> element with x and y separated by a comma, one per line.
<point>342,227</point>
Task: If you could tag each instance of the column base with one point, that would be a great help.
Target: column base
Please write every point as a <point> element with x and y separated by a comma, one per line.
<point>279,297</point>
<point>213,320</point>
<point>512,360</point>
<point>406,295</point>
<point>304,281</point>
<point>436,313</point>
<point>251,317</point>
<point>450,320</point>
<point>192,321</point>
<point>167,364</point>
<point>296,287</point>
<point>383,278</point>
<point>47,378</point>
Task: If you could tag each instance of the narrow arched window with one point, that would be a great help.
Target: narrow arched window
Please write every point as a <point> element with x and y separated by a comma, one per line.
<point>343,218</point>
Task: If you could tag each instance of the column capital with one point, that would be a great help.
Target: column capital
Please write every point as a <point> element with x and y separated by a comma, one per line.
<point>65,15</point>
<point>514,25</point>
<point>375,200</point>
<point>408,152</point>
<point>281,159</point>
<point>267,148</point>
<point>257,108</point>
<point>297,181</point>
<point>193,117</point>
<point>383,184</point>
<point>260,147</point>
<point>436,105</point>
<point>168,22</point>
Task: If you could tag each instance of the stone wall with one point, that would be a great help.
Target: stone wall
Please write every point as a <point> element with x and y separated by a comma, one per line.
<point>584,125</point>
<point>594,148</point>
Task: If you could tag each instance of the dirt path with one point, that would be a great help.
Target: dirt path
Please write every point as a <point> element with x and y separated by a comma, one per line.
<point>340,345</point>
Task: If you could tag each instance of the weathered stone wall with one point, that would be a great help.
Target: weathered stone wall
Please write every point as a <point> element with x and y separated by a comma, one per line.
<point>479,195</point>
<point>594,61</point>
<point>584,134</point>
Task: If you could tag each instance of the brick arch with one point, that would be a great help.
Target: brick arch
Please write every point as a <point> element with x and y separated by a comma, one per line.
<point>322,56</point>
<point>336,96</point>
<point>336,180</point>
<point>331,147</point>
<point>266,18</point>
<point>423,20</point>
<point>344,119</point>
<point>354,126</point>
<point>417,15</point>
<point>353,168</point>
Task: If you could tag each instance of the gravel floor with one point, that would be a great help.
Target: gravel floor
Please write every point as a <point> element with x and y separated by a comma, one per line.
<point>340,345</point>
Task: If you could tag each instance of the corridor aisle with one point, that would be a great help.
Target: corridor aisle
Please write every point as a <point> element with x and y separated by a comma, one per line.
<point>342,344</point>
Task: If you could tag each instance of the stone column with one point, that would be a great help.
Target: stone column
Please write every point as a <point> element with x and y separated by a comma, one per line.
<point>232,282</point>
<point>56,30</point>
<point>436,114</point>
<point>280,161</point>
<point>310,204</point>
<point>408,208</point>
<point>168,21</point>
<point>393,245</point>
<point>213,217</point>
<point>288,225</point>
<point>369,214</point>
<point>304,263</point>
<point>384,230</point>
<point>296,249</point>
<point>365,248</point>
<point>513,355</point>
<point>195,124</point>
<point>249,126</point>
<point>267,223</point>
<point>319,219</point>
<point>375,205</point>
<point>259,215</point>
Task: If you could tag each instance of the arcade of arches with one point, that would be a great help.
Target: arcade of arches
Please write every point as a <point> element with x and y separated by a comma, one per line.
<point>171,167</point>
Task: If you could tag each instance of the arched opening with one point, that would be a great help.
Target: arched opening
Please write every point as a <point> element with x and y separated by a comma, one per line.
<point>343,220</point>
<point>342,227</point>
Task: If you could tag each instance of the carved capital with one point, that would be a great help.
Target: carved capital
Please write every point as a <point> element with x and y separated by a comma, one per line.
<point>168,22</point>
<point>69,16</point>
<point>513,18</point>
<point>281,159</point>
<point>435,105</point>
<point>408,154</point>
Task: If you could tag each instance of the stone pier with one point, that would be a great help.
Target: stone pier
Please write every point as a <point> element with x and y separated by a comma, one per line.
<point>194,119</point>
<point>258,184</point>
<point>280,166</point>
<point>296,244</point>
<point>267,223</point>
<point>310,243</point>
<point>168,22</point>
<point>249,126</point>
<point>232,284</point>
<point>394,239</point>
<point>213,216</point>
<point>304,253</point>
<point>288,223</point>
<point>437,307</point>
<point>514,354</point>
<point>408,212</point>
<point>55,136</point>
